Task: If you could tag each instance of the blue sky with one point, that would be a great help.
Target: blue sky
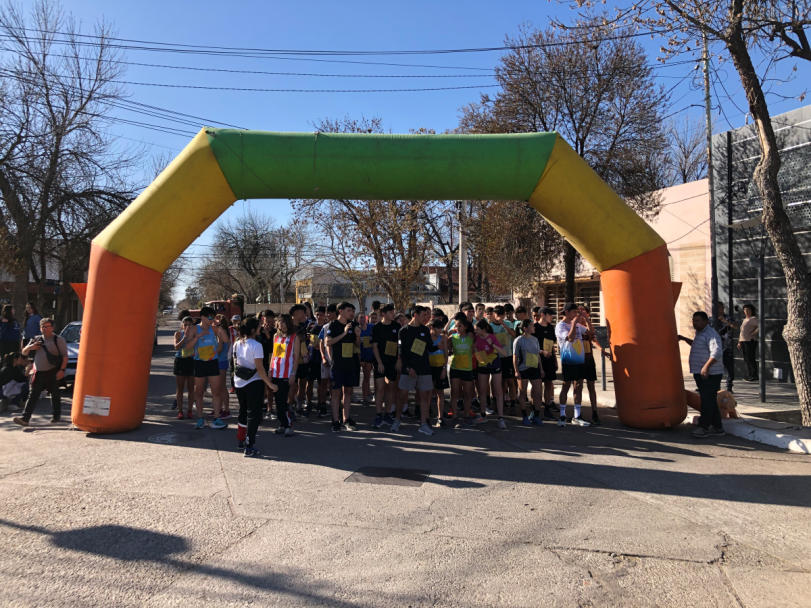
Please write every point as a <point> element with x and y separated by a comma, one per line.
<point>354,25</point>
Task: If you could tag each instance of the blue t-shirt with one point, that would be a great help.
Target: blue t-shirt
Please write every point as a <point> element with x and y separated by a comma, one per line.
<point>366,352</point>
<point>31,329</point>
<point>9,330</point>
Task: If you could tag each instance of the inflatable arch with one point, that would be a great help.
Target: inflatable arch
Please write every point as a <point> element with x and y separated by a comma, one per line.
<point>220,166</point>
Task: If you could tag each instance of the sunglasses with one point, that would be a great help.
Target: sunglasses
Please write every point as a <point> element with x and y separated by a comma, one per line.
<point>210,318</point>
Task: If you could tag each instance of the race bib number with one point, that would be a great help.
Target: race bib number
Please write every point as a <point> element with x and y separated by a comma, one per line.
<point>461,361</point>
<point>347,350</point>
<point>186,352</point>
<point>316,341</point>
<point>437,360</point>
<point>305,352</point>
<point>367,342</point>
<point>481,357</point>
<point>356,350</point>
<point>548,345</point>
<point>279,349</point>
<point>587,347</point>
<point>391,349</point>
<point>531,360</point>
<point>418,347</point>
<point>205,353</point>
<point>503,339</point>
<point>577,345</point>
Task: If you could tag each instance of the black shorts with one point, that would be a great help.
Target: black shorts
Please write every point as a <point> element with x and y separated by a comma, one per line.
<point>439,383</point>
<point>389,370</point>
<point>507,367</point>
<point>488,371</point>
<point>531,374</point>
<point>591,369</point>
<point>206,369</point>
<point>314,370</point>
<point>549,365</point>
<point>303,371</point>
<point>184,366</point>
<point>344,379</point>
<point>465,375</point>
<point>372,361</point>
<point>571,373</point>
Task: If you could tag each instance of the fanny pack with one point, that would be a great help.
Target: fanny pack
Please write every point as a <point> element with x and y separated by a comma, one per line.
<point>240,371</point>
<point>55,360</point>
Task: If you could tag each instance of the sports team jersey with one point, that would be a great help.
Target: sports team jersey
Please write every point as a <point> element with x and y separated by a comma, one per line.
<point>281,361</point>
<point>486,355</point>
<point>414,345</point>
<point>205,349</point>
<point>462,352</point>
<point>366,353</point>
<point>571,353</point>
<point>386,337</point>
<point>344,357</point>
<point>436,356</point>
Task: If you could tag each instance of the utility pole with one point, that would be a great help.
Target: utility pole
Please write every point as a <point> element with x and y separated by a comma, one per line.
<point>462,254</point>
<point>708,107</point>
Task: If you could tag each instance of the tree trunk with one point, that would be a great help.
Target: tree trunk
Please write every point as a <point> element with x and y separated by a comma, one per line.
<point>20,296</point>
<point>797,332</point>
<point>569,265</point>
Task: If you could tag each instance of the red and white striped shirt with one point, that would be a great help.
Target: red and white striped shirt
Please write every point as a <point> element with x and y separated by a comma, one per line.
<point>281,365</point>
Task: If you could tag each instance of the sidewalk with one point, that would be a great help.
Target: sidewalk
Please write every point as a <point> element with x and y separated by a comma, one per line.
<point>775,422</point>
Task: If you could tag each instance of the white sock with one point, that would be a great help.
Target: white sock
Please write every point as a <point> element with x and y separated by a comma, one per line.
<point>562,410</point>
<point>577,410</point>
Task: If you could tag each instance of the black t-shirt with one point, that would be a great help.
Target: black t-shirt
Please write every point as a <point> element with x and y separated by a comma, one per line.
<point>386,337</point>
<point>414,355</point>
<point>267,345</point>
<point>344,357</point>
<point>313,331</point>
<point>545,333</point>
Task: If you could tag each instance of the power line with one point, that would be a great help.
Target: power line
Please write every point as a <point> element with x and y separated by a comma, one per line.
<point>258,90</point>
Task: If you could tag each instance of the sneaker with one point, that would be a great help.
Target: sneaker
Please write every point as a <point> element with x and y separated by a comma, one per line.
<point>526,421</point>
<point>395,426</point>
<point>460,403</point>
<point>308,410</point>
<point>715,431</point>
<point>232,390</point>
<point>488,411</point>
<point>201,422</point>
<point>218,424</point>
<point>241,445</point>
<point>479,419</point>
<point>548,414</point>
<point>225,415</point>
<point>174,405</point>
<point>378,422</point>
<point>322,411</point>
<point>180,416</point>
<point>350,424</point>
<point>562,421</point>
<point>336,426</point>
<point>279,431</point>
<point>388,420</point>
<point>291,415</point>
<point>250,452</point>
<point>365,403</point>
<point>469,420</point>
<point>537,421</point>
<point>701,433</point>
<point>407,414</point>
<point>21,421</point>
<point>425,429</point>
<point>579,422</point>
<point>502,424</point>
<point>189,415</point>
<point>475,404</point>
<point>289,432</point>
<point>595,419</point>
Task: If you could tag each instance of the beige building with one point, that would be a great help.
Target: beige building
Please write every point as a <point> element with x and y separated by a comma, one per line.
<point>684,224</point>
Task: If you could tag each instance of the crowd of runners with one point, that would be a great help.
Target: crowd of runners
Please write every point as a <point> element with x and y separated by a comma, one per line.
<point>495,360</point>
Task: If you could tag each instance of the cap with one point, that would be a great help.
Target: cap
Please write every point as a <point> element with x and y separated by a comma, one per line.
<point>236,318</point>
<point>386,307</point>
<point>545,310</point>
<point>569,306</point>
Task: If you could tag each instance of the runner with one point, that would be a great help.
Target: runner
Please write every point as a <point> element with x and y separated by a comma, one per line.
<point>223,329</point>
<point>589,344</point>
<point>415,367</point>
<point>50,360</point>
<point>297,395</point>
<point>367,357</point>
<point>265,337</point>
<point>384,348</point>
<point>438,358</point>
<point>314,374</point>
<point>545,334</point>
<point>283,365</point>
<point>467,309</point>
<point>488,358</point>
<point>249,371</point>
<point>207,345</point>
<point>462,379</point>
<point>480,311</point>
<point>184,369</point>
<point>527,363</point>
<point>502,314</point>
<point>343,335</point>
<point>570,333</point>
<point>326,363</point>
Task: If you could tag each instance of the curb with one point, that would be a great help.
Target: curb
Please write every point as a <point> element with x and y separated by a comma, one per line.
<point>776,438</point>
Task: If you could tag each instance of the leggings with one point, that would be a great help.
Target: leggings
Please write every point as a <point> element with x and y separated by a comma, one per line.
<point>282,407</point>
<point>251,399</point>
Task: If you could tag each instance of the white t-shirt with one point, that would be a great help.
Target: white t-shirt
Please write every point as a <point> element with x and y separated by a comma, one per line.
<point>571,353</point>
<point>247,351</point>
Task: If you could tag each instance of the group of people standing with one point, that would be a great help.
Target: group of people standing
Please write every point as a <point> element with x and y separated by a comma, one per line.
<point>495,361</point>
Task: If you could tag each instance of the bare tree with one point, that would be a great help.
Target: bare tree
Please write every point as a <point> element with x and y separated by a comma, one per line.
<point>596,91</point>
<point>58,165</point>
<point>686,158</point>
<point>775,31</point>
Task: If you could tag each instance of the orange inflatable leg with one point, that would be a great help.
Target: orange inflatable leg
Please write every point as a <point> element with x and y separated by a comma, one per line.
<point>116,346</point>
<point>648,379</point>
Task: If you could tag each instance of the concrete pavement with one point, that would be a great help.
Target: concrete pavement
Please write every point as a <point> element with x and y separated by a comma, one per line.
<point>599,516</point>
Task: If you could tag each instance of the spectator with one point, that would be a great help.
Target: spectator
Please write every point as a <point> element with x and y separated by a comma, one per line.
<point>707,368</point>
<point>747,342</point>
<point>30,323</point>
<point>9,332</point>
<point>724,326</point>
<point>50,359</point>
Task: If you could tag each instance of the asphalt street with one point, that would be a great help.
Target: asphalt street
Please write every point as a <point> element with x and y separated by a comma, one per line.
<point>532,516</point>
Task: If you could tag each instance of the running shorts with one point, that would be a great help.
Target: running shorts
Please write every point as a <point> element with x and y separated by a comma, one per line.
<point>389,370</point>
<point>591,369</point>
<point>206,369</point>
<point>420,383</point>
<point>344,379</point>
<point>531,374</point>
<point>507,367</point>
<point>572,373</point>
<point>465,375</point>
<point>439,383</point>
<point>184,366</point>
